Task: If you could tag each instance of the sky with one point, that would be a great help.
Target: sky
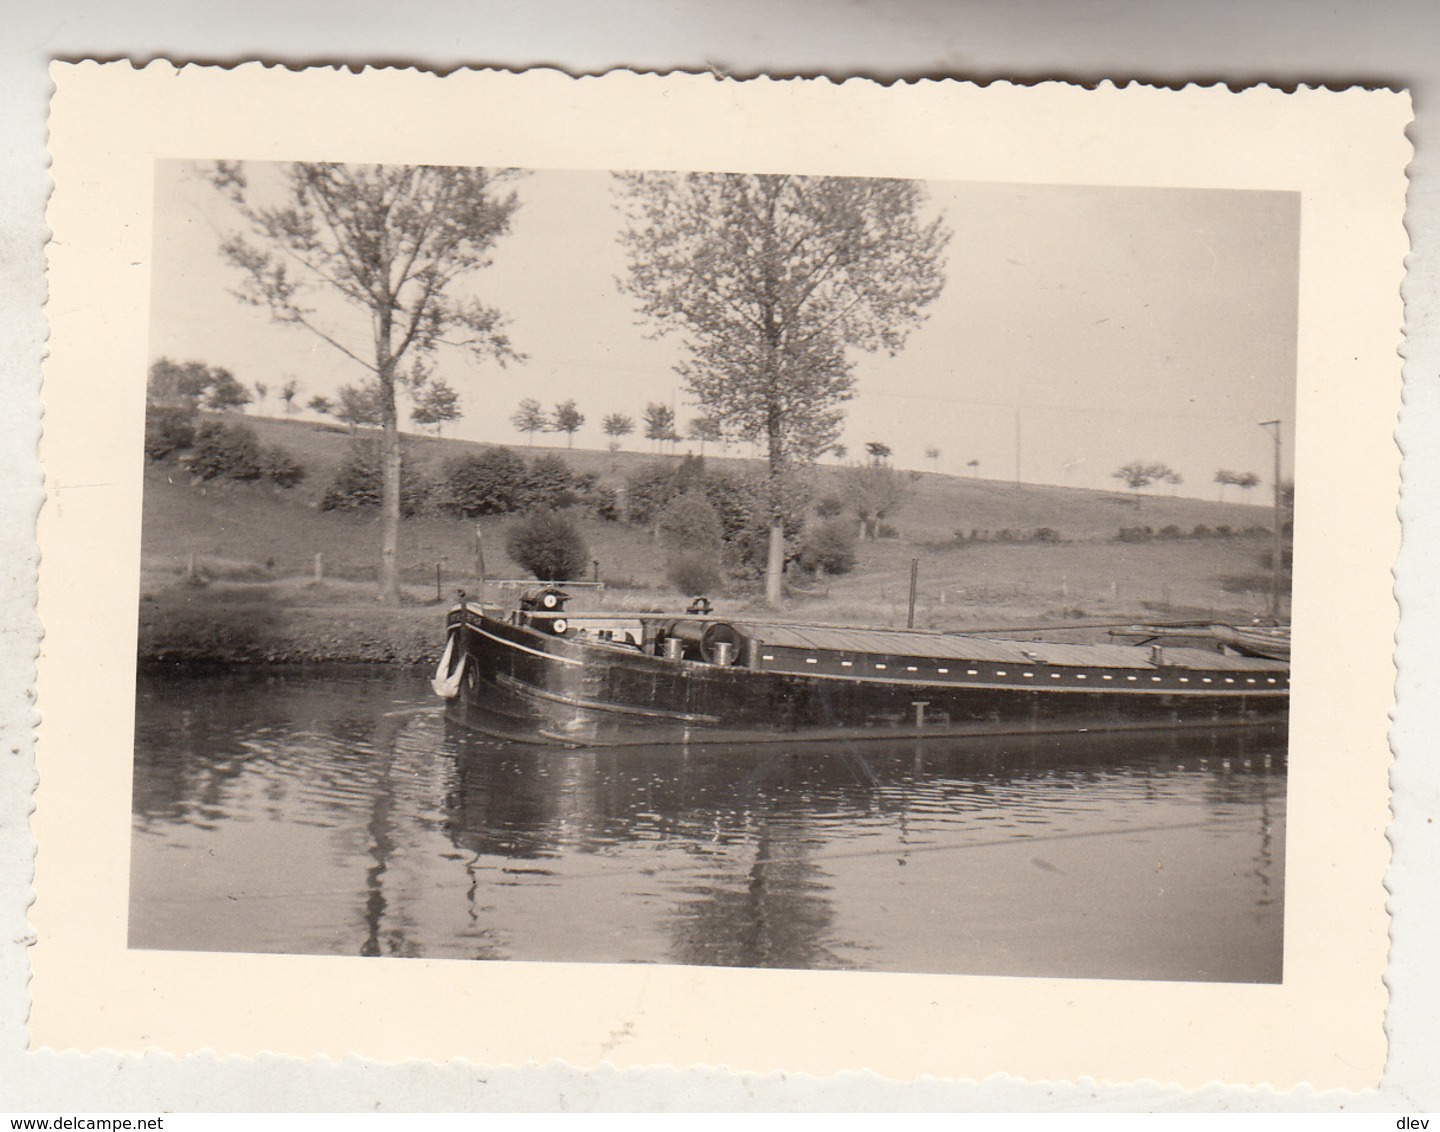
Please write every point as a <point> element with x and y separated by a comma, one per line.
<point>1081,328</point>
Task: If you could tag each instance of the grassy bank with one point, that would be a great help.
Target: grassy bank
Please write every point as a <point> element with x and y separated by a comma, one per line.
<point>251,595</point>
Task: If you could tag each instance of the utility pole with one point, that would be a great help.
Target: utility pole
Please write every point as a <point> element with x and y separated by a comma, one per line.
<point>1274,429</point>
<point>1017,443</point>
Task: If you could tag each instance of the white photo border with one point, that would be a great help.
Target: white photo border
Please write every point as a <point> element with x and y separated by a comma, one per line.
<point>1344,152</point>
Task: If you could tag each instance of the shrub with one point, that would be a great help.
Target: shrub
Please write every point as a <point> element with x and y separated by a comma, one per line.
<point>647,489</point>
<point>694,572</point>
<point>1171,531</point>
<point>280,467</point>
<point>550,483</point>
<point>829,548</point>
<point>604,500</point>
<point>228,451</point>
<point>356,486</point>
<point>830,507</point>
<point>167,430</point>
<point>1134,534</point>
<point>737,502</point>
<point>490,482</point>
<point>1045,534</point>
<point>1222,530</point>
<point>690,522</point>
<point>1201,531</point>
<point>549,545</point>
<point>885,530</point>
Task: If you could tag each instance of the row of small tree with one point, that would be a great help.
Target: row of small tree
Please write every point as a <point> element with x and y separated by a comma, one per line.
<point>658,421</point>
<point>531,418</point>
<point>433,406</point>
<point>1140,474</point>
<point>194,385</point>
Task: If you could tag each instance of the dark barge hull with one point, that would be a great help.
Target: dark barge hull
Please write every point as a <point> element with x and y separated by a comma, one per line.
<point>520,682</point>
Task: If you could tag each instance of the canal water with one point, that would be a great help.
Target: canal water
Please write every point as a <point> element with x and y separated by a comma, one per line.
<point>339,813</point>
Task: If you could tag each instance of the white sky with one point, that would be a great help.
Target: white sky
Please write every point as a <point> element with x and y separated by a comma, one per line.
<point>1120,323</point>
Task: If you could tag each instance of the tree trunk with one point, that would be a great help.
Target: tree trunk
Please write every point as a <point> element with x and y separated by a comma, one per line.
<point>390,512</point>
<point>389,467</point>
<point>775,565</point>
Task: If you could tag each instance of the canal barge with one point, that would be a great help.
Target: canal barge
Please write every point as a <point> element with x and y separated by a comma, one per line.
<point>542,674</point>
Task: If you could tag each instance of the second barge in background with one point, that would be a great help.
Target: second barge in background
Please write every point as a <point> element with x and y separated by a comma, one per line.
<point>541,674</point>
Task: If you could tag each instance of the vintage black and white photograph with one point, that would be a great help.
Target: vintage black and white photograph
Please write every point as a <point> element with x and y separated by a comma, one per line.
<point>712,568</point>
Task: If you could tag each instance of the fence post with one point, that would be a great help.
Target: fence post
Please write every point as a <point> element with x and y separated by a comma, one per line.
<point>319,568</point>
<point>914,581</point>
<point>479,554</point>
<point>439,593</point>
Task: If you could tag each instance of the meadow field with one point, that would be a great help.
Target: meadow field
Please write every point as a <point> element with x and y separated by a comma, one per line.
<point>228,568</point>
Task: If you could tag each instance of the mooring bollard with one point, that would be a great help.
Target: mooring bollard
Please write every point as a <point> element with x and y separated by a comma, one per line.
<point>439,593</point>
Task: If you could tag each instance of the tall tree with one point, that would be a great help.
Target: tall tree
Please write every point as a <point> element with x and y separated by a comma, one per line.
<point>436,405</point>
<point>933,455</point>
<point>529,418</point>
<point>567,419</point>
<point>878,451</point>
<point>616,426</point>
<point>288,392</point>
<point>769,280</point>
<point>839,451</point>
<point>262,390</point>
<point>319,404</point>
<point>370,259</point>
<point>659,422</point>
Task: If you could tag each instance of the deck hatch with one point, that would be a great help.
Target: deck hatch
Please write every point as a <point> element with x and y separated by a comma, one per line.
<point>897,643</point>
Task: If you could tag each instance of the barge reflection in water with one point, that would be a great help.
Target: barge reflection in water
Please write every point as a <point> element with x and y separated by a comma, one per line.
<point>337,813</point>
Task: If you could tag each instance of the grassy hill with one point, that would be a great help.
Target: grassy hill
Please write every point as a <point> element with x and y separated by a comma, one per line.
<point>243,535</point>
